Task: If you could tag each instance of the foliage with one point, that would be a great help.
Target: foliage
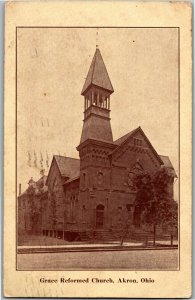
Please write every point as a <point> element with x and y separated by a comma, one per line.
<point>145,192</point>
<point>31,190</point>
<point>154,199</point>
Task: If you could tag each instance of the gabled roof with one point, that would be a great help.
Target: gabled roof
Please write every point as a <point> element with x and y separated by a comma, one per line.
<point>41,181</point>
<point>97,74</point>
<point>163,159</point>
<point>167,163</point>
<point>68,166</point>
<point>39,185</point>
<point>124,137</point>
<point>129,135</point>
<point>72,179</point>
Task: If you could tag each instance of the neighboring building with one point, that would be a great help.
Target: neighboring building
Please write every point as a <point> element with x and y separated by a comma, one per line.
<point>31,204</point>
<point>96,193</point>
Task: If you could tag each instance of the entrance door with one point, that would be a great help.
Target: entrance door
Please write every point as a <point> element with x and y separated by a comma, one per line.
<point>137,216</point>
<point>99,216</point>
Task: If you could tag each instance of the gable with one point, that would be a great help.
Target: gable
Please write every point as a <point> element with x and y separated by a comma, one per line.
<point>64,167</point>
<point>69,167</point>
<point>54,173</point>
<point>168,164</point>
<point>122,139</point>
<point>135,146</point>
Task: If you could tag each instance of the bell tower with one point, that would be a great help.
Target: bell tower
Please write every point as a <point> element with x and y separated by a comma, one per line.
<point>96,140</point>
<point>96,143</point>
<point>96,91</point>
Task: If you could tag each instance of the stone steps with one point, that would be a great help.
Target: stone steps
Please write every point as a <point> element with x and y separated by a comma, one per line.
<point>105,235</point>
<point>108,235</point>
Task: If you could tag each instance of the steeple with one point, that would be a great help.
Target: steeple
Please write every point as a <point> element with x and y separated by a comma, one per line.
<point>97,75</point>
<point>96,91</point>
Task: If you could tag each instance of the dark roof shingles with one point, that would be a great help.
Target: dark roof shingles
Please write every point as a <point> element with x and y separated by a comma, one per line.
<point>98,74</point>
<point>68,167</point>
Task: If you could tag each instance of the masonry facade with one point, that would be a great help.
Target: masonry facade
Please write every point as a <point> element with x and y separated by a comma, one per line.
<point>96,192</point>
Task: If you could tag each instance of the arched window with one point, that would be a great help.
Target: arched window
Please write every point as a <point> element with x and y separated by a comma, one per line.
<point>119,213</point>
<point>84,213</point>
<point>100,207</point>
<point>100,176</point>
<point>100,216</point>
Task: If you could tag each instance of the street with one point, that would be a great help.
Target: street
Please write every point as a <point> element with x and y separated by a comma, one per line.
<point>132,260</point>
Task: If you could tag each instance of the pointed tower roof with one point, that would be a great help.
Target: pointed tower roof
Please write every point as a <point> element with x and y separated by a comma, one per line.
<point>97,74</point>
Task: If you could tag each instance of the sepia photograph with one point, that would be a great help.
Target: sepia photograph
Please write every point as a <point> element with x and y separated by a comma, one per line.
<point>97,148</point>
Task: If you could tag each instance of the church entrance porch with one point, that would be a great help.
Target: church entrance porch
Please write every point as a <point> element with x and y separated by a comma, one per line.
<point>99,216</point>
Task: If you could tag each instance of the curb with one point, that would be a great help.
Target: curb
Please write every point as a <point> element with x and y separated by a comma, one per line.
<point>89,249</point>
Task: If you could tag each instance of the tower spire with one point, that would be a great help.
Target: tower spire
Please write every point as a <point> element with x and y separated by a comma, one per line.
<point>96,91</point>
<point>97,75</point>
<point>97,38</point>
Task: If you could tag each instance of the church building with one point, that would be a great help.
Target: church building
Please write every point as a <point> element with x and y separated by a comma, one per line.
<point>95,195</point>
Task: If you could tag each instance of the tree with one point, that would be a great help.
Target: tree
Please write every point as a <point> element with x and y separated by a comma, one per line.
<point>146,201</point>
<point>32,215</point>
<point>167,207</point>
<point>142,182</point>
<point>33,192</point>
<point>155,200</point>
<point>168,215</point>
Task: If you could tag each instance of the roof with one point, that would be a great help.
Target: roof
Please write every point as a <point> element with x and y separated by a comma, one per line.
<point>97,74</point>
<point>39,185</point>
<point>68,166</point>
<point>124,137</point>
<point>41,182</point>
<point>167,163</point>
<point>23,193</point>
<point>72,179</point>
<point>96,128</point>
<point>165,159</point>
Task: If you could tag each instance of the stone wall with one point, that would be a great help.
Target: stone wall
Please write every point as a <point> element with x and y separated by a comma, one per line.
<point>54,210</point>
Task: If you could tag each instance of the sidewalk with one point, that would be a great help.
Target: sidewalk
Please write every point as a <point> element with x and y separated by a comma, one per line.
<point>112,246</point>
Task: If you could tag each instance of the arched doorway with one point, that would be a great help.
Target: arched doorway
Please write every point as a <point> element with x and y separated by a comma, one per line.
<point>99,216</point>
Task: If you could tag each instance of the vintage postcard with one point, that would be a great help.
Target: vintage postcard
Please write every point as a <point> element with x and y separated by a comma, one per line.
<point>97,149</point>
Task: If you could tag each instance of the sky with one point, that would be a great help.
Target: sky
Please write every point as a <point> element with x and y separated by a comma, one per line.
<point>52,64</point>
